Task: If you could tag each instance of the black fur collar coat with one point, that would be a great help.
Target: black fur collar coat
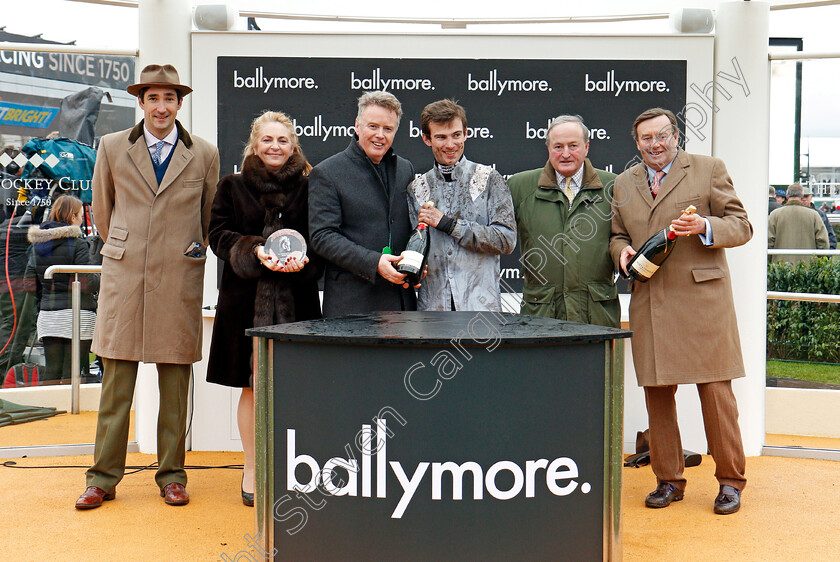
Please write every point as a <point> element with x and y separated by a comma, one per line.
<point>283,196</point>
<point>248,207</point>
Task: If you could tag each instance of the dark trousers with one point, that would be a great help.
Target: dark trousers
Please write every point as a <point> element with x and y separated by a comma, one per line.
<point>118,382</point>
<point>720,419</point>
<point>20,336</point>
<point>57,354</point>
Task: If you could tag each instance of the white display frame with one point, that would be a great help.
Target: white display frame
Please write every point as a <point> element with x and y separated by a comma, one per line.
<point>213,427</point>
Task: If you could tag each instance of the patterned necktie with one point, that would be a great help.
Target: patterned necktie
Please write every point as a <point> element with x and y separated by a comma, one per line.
<point>657,181</point>
<point>158,152</point>
<point>567,190</point>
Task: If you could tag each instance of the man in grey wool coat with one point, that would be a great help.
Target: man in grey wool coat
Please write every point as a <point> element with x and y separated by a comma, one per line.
<point>358,215</point>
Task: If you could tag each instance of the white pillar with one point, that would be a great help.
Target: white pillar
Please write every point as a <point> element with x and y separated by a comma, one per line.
<point>740,138</point>
<point>164,38</point>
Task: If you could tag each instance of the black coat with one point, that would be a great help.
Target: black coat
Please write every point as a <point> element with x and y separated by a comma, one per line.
<point>15,248</point>
<point>352,217</point>
<point>832,237</point>
<point>57,243</point>
<point>247,208</point>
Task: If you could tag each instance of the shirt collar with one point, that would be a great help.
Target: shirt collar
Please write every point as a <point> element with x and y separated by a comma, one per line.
<point>152,140</point>
<point>577,178</point>
<point>456,169</point>
<point>651,171</point>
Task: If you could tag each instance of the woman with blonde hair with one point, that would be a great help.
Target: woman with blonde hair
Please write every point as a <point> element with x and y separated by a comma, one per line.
<point>271,193</point>
<point>59,241</point>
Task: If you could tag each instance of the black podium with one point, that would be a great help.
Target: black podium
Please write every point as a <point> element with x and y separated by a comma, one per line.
<point>439,436</point>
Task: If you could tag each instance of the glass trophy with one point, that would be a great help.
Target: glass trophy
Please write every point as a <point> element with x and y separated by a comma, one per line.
<point>284,244</point>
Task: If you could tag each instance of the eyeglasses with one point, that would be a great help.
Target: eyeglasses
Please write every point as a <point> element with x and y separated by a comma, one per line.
<point>661,138</point>
<point>665,137</point>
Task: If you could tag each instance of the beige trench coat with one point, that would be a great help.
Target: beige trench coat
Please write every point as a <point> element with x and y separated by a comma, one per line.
<point>150,295</point>
<point>683,319</point>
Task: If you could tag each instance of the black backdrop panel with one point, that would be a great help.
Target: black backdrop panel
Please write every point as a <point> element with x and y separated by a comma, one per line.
<point>509,103</point>
<point>516,404</point>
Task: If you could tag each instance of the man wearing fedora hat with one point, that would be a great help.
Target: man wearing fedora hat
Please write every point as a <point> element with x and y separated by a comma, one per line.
<point>153,186</point>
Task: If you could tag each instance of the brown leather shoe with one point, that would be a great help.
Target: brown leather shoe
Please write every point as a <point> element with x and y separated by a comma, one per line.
<point>727,501</point>
<point>93,497</point>
<point>175,494</point>
<point>663,495</point>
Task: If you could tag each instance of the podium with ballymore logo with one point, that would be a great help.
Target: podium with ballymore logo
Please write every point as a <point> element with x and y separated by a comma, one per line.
<point>439,436</point>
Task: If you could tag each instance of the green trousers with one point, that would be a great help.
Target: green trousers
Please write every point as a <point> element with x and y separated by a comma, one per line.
<point>118,381</point>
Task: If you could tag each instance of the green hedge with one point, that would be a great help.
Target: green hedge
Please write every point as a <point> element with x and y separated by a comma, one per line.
<point>803,330</point>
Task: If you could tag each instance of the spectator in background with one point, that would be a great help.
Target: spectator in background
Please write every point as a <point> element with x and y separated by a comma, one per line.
<point>808,199</point>
<point>17,317</point>
<point>8,191</point>
<point>773,204</point>
<point>781,196</point>
<point>795,226</point>
<point>59,241</point>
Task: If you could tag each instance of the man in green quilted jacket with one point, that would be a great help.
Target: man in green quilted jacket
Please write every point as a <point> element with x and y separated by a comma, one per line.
<point>563,216</point>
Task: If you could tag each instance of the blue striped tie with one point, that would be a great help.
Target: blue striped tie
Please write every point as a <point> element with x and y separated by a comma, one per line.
<point>158,152</point>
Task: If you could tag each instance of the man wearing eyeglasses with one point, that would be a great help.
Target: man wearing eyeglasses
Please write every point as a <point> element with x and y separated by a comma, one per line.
<point>683,318</point>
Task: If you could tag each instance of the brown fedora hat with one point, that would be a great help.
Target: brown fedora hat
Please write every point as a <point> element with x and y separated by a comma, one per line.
<point>164,76</point>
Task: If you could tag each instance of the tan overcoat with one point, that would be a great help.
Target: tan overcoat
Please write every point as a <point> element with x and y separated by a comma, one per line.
<point>150,295</point>
<point>683,319</point>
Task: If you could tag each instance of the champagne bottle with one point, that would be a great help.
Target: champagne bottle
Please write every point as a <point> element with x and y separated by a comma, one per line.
<point>654,252</point>
<point>651,255</point>
<point>416,253</point>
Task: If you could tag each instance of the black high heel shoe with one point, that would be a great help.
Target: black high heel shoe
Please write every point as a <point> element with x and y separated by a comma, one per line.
<point>247,499</point>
